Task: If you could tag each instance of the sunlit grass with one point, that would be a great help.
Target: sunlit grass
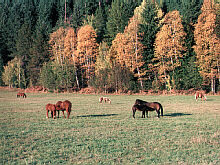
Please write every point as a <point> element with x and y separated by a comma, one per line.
<point>106,133</point>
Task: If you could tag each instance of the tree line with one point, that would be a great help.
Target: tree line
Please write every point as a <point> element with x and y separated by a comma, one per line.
<point>111,45</point>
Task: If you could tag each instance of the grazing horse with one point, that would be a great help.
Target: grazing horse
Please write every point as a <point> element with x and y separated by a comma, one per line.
<point>147,106</point>
<point>201,95</point>
<point>105,99</point>
<point>52,108</point>
<point>62,106</point>
<point>19,94</point>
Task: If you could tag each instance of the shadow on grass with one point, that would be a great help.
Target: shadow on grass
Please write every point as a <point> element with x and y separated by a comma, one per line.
<point>103,115</point>
<point>177,114</point>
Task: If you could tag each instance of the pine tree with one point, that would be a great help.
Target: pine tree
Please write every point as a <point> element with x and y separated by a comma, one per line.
<point>150,16</point>
<point>118,18</point>
<point>100,23</point>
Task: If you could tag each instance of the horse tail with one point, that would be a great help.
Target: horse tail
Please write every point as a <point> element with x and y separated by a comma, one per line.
<point>161,109</point>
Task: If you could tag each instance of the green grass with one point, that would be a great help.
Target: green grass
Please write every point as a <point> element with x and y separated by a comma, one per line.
<point>107,134</point>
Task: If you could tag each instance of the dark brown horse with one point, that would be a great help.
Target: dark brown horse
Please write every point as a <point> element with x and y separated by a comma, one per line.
<point>52,108</point>
<point>201,95</point>
<point>144,106</point>
<point>20,94</point>
<point>64,106</point>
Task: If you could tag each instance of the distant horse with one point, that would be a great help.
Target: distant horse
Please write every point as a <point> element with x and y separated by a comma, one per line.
<point>62,106</point>
<point>147,106</point>
<point>19,94</point>
<point>52,108</point>
<point>201,95</point>
<point>105,99</point>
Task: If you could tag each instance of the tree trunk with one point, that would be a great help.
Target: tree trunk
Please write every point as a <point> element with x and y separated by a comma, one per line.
<point>213,85</point>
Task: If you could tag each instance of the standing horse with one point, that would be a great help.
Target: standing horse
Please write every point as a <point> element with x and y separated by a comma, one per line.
<point>52,108</point>
<point>201,95</point>
<point>105,99</point>
<point>20,94</point>
<point>147,106</point>
<point>62,106</point>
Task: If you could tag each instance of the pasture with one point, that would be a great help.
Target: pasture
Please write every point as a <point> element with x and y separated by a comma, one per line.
<point>107,133</point>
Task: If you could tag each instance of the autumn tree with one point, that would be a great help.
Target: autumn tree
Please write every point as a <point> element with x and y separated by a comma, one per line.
<point>128,50</point>
<point>87,49</point>
<point>169,48</point>
<point>207,45</point>
<point>57,45</point>
<point>70,43</point>
<point>14,75</point>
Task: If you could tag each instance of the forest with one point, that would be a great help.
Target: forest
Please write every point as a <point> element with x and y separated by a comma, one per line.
<point>110,45</point>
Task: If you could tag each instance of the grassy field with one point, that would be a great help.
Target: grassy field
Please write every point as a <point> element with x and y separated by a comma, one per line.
<point>107,134</point>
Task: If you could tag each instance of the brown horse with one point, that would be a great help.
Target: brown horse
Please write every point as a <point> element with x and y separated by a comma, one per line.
<point>201,95</point>
<point>20,94</point>
<point>62,106</point>
<point>105,99</point>
<point>52,108</point>
<point>147,106</point>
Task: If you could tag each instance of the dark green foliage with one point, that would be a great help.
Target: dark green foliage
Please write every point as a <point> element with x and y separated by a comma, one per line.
<point>118,18</point>
<point>1,69</point>
<point>25,27</point>
<point>148,30</point>
<point>57,77</point>
<point>100,23</point>
<point>117,79</point>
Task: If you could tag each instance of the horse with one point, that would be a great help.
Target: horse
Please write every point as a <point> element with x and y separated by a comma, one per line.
<point>147,106</point>
<point>52,108</point>
<point>105,99</point>
<point>62,106</point>
<point>138,107</point>
<point>20,94</point>
<point>201,95</point>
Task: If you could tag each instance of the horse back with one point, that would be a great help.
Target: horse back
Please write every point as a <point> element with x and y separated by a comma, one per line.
<point>50,107</point>
<point>154,106</point>
<point>67,105</point>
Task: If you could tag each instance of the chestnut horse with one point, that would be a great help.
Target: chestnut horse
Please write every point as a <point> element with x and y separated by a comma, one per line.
<point>62,106</point>
<point>19,94</point>
<point>201,95</point>
<point>52,108</point>
<point>147,106</point>
<point>105,99</point>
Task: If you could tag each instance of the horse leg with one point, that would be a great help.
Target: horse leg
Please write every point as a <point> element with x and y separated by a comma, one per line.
<point>47,114</point>
<point>158,113</point>
<point>147,114</point>
<point>68,113</point>
<point>53,114</point>
<point>134,113</point>
<point>58,114</point>
<point>63,114</point>
<point>143,114</point>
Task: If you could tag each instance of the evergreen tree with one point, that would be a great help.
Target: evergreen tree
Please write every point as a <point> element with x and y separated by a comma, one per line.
<point>100,23</point>
<point>148,30</point>
<point>118,18</point>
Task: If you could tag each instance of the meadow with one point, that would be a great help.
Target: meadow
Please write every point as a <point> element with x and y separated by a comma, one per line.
<point>107,133</point>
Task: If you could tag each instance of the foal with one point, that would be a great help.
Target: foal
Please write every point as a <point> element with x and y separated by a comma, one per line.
<point>52,108</point>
